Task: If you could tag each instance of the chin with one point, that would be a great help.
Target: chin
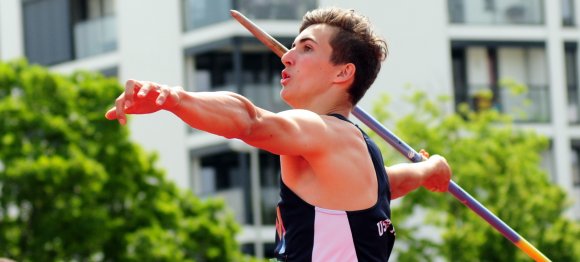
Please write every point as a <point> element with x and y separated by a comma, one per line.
<point>287,99</point>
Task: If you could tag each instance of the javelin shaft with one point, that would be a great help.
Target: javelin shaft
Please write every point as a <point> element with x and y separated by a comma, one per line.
<point>407,151</point>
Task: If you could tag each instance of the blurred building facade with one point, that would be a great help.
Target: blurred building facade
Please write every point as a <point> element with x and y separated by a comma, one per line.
<point>462,48</point>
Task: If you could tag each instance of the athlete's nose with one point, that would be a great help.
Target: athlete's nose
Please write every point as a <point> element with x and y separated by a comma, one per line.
<point>288,58</point>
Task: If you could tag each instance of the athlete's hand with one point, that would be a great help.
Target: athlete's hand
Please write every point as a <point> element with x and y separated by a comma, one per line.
<point>438,174</point>
<point>141,97</point>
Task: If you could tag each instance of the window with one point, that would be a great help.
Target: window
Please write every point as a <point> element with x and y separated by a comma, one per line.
<point>571,68</point>
<point>200,13</point>
<point>575,155</point>
<point>94,25</point>
<point>270,182</point>
<point>568,12</point>
<point>280,9</point>
<point>226,174</point>
<point>496,12</point>
<point>258,77</point>
<point>47,32</point>
<point>221,171</point>
<point>480,71</point>
<point>57,31</point>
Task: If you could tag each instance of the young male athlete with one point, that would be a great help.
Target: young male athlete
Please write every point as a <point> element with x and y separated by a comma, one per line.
<point>335,191</point>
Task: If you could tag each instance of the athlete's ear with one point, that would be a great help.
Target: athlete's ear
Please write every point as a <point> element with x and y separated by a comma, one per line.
<point>345,73</point>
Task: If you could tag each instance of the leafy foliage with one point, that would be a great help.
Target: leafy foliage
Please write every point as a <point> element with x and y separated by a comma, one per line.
<point>500,166</point>
<point>74,187</point>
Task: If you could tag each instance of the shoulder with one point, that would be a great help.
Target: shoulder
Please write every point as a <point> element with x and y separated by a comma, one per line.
<point>298,132</point>
<point>306,117</point>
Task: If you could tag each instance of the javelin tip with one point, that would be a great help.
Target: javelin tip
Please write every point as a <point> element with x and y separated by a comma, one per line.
<point>235,13</point>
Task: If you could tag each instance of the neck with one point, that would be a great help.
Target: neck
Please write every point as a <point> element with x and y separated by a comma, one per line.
<point>332,101</point>
<point>341,111</point>
<point>326,107</point>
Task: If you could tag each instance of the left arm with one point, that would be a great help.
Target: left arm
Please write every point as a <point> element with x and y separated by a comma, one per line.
<point>434,174</point>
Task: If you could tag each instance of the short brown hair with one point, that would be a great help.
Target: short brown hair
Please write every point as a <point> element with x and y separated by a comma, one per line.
<point>355,42</point>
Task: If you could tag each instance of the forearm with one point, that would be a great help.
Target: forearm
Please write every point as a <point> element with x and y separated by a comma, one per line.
<point>434,174</point>
<point>404,178</point>
<point>222,113</point>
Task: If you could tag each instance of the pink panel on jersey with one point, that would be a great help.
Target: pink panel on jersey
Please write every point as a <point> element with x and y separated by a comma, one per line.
<point>332,236</point>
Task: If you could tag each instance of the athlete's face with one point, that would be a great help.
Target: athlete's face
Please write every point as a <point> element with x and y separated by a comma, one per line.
<point>308,68</point>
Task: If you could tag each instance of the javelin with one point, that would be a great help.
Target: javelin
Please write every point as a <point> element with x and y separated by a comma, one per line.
<point>407,151</point>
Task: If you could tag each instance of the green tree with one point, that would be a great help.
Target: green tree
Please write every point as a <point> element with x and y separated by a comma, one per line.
<point>499,165</point>
<point>74,187</point>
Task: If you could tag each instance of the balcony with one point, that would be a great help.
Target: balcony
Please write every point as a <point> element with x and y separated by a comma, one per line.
<point>530,106</point>
<point>96,36</point>
<point>276,10</point>
<point>499,12</point>
<point>200,13</point>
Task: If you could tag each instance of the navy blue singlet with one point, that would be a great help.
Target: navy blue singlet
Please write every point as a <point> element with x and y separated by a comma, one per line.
<point>308,233</point>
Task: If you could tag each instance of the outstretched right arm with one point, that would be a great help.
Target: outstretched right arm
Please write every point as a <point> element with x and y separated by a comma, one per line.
<point>222,113</point>
<point>226,114</point>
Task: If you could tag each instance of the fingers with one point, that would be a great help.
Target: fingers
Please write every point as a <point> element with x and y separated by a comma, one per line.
<point>439,186</point>
<point>144,90</point>
<point>122,102</point>
<point>130,87</point>
<point>424,153</point>
<point>439,176</point>
<point>111,114</point>
<point>120,109</point>
<point>164,92</point>
<point>141,97</point>
<point>155,91</point>
<point>442,186</point>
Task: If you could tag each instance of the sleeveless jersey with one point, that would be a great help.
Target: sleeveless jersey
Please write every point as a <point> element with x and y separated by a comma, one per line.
<point>309,233</point>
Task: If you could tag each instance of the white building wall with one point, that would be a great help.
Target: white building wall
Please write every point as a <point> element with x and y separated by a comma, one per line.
<point>419,55</point>
<point>149,33</point>
<point>11,37</point>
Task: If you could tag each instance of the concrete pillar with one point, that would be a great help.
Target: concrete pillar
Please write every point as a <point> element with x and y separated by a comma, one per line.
<point>11,33</point>
<point>149,33</point>
<point>561,145</point>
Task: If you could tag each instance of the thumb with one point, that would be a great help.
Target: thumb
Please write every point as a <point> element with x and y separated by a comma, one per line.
<point>111,114</point>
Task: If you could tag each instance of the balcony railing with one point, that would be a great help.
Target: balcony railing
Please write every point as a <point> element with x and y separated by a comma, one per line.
<point>199,13</point>
<point>532,106</point>
<point>234,199</point>
<point>277,10</point>
<point>498,12</point>
<point>95,36</point>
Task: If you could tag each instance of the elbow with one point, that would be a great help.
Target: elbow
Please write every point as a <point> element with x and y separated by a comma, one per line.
<point>247,119</point>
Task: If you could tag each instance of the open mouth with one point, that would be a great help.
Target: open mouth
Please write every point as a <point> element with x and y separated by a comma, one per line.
<point>285,75</point>
<point>285,78</point>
